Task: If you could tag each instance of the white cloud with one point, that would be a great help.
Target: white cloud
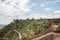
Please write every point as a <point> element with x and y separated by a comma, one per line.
<point>6,9</point>
<point>23,4</point>
<point>13,8</point>
<point>57,12</point>
<point>48,9</point>
<point>4,20</point>
<point>38,16</point>
<point>20,8</point>
<point>42,5</point>
<point>22,17</point>
<point>56,1</point>
<point>53,16</point>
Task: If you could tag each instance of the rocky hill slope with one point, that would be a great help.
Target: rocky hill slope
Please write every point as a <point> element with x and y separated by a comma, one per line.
<point>25,29</point>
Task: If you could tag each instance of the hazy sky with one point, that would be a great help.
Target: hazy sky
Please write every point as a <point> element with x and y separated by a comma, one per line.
<point>10,9</point>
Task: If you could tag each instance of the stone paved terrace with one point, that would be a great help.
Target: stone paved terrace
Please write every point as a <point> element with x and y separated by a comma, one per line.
<point>48,36</point>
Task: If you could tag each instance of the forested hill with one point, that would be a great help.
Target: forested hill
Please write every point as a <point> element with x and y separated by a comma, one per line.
<point>27,28</point>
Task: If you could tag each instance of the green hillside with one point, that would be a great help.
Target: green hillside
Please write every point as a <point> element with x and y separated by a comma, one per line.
<point>27,28</point>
